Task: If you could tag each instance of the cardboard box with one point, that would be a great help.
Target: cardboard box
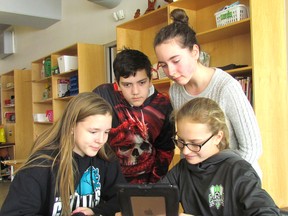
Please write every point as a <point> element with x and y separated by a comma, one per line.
<point>67,63</point>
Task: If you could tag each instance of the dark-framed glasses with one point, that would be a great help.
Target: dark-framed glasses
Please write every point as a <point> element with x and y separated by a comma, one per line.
<point>191,146</point>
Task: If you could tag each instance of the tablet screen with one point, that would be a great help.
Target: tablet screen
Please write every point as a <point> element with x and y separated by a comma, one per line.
<point>146,205</point>
<point>148,199</point>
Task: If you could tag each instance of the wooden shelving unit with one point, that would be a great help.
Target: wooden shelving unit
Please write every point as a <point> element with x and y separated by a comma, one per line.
<point>16,98</point>
<point>90,73</point>
<point>246,42</point>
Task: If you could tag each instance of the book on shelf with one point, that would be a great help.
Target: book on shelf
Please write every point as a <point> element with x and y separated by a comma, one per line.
<point>246,84</point>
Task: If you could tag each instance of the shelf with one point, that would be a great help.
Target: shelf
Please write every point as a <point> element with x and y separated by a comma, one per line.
<point>43,80</point>
<point>195,5</point>
<point>64,98</point>
<point>13,162</point>
<point>66,74</point>
<point>237,71</point>
<point>5,145</point>
<point>161,81</point>
<point>9,106</point>
<point>43,123</point>
<point>45,101</point>
<point>8,89</point>
<point>145,21</point>
<point>221,33</point>
<point>10,122</point>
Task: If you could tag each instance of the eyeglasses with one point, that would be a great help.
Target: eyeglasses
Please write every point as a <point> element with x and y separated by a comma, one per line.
<point>192,147</point>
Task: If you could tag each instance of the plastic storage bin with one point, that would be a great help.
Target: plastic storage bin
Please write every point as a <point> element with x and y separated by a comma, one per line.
<point>67,63</point>
<point>232,14</point>
<point>40,117</point>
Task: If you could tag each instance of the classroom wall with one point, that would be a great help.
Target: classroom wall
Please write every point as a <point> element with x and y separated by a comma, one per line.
<point>82,21</point>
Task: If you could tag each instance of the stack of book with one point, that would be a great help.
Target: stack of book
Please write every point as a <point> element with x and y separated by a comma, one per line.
<point>246,83</point>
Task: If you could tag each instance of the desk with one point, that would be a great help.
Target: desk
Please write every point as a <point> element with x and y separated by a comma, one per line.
<point>6,153</point>
<point>14,165</point>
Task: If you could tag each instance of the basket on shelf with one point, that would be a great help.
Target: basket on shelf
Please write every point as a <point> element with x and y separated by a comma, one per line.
<point>231,14</point>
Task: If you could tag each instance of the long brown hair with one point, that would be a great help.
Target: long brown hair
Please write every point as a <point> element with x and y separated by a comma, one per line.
<point>59,140</point>
<point>179,29</point>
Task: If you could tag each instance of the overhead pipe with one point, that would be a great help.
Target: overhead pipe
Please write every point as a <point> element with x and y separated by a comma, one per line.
<point>107,3</point>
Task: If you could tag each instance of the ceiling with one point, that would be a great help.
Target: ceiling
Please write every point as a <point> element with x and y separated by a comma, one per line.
<point>34,13</point>
<point>3,27</point>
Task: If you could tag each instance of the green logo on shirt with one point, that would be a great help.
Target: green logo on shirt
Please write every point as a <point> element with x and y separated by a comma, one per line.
<point>216,196</point>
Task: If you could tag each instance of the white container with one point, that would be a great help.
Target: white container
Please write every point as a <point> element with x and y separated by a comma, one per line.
<point>67,63</point>
<point>40,117</point>
<point>232,14</point>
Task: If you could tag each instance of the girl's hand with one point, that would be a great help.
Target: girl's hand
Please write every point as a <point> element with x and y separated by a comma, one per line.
<point>181,214</point>
<point>85,211</point>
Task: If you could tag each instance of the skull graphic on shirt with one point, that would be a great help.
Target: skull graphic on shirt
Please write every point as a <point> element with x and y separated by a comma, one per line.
<point>129,154</point>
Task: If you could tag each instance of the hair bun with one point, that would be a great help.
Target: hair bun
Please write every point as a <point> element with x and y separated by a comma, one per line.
<point>179,16</point>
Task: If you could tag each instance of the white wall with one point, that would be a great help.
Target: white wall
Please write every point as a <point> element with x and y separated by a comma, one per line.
<point>82,21</point>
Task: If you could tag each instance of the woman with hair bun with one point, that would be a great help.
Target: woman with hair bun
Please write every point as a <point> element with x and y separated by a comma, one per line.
<point>178,51</point>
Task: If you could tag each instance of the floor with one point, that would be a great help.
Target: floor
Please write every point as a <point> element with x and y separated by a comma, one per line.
<point>4,187</point>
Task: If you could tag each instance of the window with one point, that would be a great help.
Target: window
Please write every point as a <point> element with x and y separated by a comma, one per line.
<point>111,51</point>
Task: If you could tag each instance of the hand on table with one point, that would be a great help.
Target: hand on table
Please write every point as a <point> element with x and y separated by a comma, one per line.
<point>181,214</point>
<point>83,210</point>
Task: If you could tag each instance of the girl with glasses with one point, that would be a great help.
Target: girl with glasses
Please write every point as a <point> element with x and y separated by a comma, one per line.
<point>213,179</point>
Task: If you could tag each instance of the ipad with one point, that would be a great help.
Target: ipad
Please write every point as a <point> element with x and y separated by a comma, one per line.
<point>148,199</point>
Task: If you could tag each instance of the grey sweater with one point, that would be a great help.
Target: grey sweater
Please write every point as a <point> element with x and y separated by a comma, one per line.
<point>241,120</point>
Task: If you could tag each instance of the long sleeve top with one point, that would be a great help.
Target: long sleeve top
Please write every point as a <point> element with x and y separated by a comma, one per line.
<point>241,120</point>
<point>140,136</point>
<point>32,191</point>
<point>224,184</point>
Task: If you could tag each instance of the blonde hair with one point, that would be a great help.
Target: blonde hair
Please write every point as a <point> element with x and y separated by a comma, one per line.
<point>54,147</point>
<point>205,111</point>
